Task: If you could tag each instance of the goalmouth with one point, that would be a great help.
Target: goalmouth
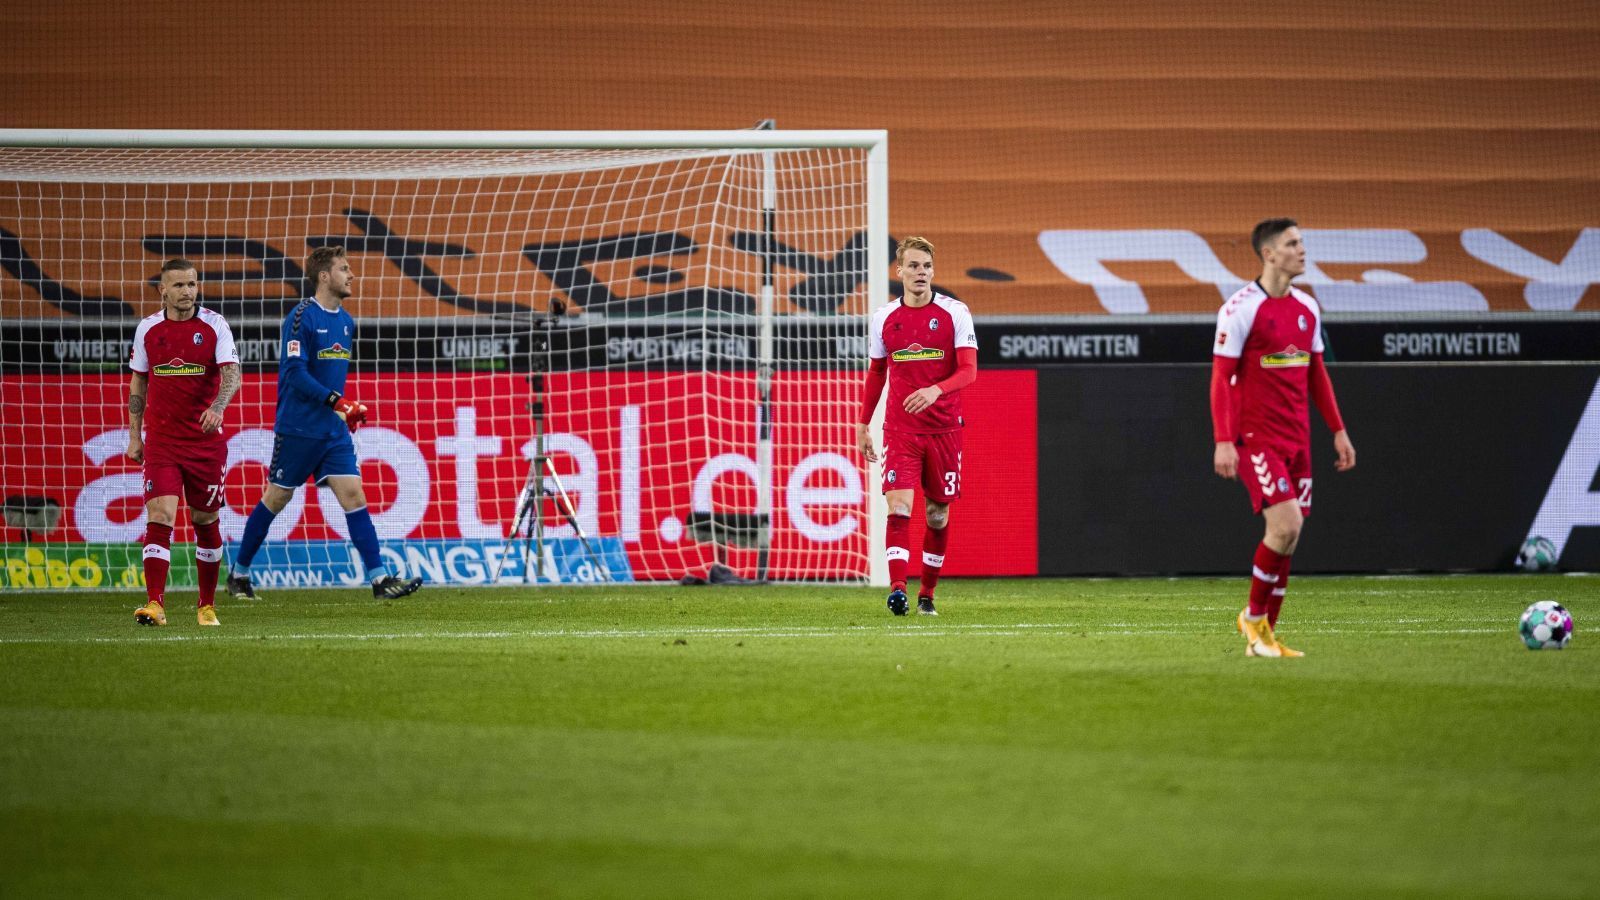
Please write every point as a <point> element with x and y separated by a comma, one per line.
<point>593,356</point>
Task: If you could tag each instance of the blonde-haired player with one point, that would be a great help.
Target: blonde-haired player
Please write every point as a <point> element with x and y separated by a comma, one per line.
<point>922,346</point>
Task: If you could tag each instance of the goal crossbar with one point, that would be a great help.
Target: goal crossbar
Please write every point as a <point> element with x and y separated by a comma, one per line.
<point>441,140</point>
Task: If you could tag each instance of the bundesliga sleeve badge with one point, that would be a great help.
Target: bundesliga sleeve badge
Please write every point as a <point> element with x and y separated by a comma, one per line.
<point>294,348</point>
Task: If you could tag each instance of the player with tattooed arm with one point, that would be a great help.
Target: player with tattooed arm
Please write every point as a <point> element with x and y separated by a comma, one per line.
<point>185,372</point>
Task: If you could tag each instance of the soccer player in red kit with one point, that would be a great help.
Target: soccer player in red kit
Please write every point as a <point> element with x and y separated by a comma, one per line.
<point>185,371</point>
<point>1266,361</point>
<point>923,346</point>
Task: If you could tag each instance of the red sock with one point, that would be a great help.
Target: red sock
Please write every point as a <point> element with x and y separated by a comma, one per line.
<point>933,543</point>
<point>1275,599</point>
<point>896,540</point>
<point>207,560</point>
<point>157,559</point>
<point>1264,577</point>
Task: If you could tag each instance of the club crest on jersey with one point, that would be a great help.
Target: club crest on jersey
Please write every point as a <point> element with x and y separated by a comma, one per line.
<point>294,348</point>
<point>179,367</point>
<point>1302,323</point>
<point>337,351</point>
<point>889,476</point>
<point>916,352</point>
<point>1290,357</point>
<point>149,486</point>
<point>933,324</point>
<point>1283,485</point>
<point>197,338</point>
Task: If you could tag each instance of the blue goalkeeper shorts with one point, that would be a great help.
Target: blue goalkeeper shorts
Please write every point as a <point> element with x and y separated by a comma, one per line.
<point>295,458</point>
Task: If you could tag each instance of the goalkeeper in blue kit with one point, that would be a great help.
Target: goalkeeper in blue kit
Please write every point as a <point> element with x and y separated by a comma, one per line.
<point>311,434</point>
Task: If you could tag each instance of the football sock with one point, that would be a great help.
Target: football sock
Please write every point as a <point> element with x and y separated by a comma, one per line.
<point>1275,599</point>
<point>157,559</point>
<point>255,531</point>
<point>207,560</point>
<point>933,543</point>
<point>896,540</point>
<point>365,537</point>
<point>1264,577</point>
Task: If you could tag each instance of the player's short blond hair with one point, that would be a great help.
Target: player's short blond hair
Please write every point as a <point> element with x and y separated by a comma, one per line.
<point>912,243</point>
<point>176,264</point>
<point>321,260</point>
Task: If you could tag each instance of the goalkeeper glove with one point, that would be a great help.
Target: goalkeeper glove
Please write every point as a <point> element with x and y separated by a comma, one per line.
<point>350,411</point>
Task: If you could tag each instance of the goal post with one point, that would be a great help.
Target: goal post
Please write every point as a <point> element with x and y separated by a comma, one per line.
<point>683,312</point>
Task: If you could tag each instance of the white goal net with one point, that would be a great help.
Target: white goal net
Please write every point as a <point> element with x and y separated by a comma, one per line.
<point>673,323</point>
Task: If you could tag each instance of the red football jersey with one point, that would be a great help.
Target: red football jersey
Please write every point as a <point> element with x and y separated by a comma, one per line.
<point>1273,338</point>
<point>921,343</point>
<point>184,361</point>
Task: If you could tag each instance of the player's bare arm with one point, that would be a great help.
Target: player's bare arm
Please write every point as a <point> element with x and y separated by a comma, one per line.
<point>138,390</point>
<point>211,419</point>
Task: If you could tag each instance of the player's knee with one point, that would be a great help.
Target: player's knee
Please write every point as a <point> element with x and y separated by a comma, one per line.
<point>275,498</point>
<point>201,516</point>
<point>351,497</point>
<point>938,515</point>
<point>1285,534</point>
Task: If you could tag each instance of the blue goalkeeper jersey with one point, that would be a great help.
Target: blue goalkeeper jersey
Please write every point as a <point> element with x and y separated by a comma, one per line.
<point>313,358</point>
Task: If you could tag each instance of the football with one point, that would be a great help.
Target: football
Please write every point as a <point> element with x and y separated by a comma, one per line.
<point>1537,555</point>
<point>1546,625</point>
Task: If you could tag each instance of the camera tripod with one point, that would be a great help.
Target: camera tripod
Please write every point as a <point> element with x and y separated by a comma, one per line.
<point>528,523</point>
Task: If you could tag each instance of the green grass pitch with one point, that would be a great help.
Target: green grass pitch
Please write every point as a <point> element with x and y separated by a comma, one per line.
<point>1039,738</point>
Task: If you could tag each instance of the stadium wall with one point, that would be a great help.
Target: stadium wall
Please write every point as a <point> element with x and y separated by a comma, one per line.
<point>1069,470</point>
<point>1102,160</point>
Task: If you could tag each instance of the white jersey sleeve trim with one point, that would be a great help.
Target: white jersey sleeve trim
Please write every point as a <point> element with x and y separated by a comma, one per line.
<point>140,360</point>
<point>966,335</point>
<point>1235,319</point>
<point>1311,304</point>
<point>876,348</point>
<point>227,350</point>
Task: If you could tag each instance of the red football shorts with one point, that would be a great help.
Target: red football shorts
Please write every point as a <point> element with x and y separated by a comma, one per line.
<point>932,461</point>
<point>1273,476</point>
<point>190,471</point>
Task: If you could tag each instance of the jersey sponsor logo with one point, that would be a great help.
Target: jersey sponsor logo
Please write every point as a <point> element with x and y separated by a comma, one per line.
<point>916,352</point>
<point>337,351</point>
<point>179,367</point>
<point>294,348</point>
<point>1290,357</point>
